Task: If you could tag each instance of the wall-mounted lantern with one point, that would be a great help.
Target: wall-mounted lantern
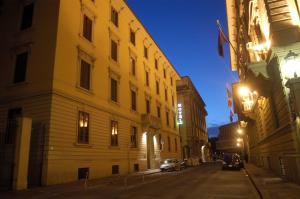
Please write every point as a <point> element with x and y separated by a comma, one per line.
<point>291,65</point>
<point>248,98</point>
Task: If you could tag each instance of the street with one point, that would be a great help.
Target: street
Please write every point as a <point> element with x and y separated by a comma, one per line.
<point>205,181</point>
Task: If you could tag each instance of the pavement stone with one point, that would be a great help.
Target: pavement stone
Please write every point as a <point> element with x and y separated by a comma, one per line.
<point>271,186</point>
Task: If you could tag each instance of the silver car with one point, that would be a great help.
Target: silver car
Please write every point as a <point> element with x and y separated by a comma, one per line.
<point>170,165</point>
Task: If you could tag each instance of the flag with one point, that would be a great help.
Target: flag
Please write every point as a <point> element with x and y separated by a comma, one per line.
<point>229,96</point>
<point>231,116</point>
<point>221,41</point>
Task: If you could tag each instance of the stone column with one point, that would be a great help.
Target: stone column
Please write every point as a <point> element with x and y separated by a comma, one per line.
<point>22,148</point>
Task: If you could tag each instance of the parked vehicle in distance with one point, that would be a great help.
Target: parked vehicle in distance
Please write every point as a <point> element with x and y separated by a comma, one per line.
<point>170,165</point>
<point>231,161</point>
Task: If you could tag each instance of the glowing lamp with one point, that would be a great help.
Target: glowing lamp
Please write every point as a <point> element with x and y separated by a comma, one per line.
<point>239,131</point>
<point>239,139</point>
<point>291,68</point>
<point>238,144</point>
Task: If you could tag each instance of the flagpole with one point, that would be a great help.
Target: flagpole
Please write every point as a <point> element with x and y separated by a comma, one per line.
<point>221,30</point>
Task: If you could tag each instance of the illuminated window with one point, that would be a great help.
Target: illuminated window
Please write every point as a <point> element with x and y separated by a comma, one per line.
<point>20,67</point>
<point>87,28</point>
<point>114,17</point>
<point>27,16</point>
<point>114,133</point>
<point>83,127</point>
<point>133,137</point>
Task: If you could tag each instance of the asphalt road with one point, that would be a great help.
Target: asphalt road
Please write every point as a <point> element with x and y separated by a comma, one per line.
<point>206,181</point>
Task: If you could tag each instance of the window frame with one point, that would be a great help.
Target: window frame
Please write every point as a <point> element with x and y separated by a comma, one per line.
<point>86,138</point>
<point>134,130</point>
<point>112,79</point>
<point>114,128</point>
<point>133,100</point>
<point>114,17</point>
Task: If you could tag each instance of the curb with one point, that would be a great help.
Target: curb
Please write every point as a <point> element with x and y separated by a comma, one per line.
<point>253,183</point>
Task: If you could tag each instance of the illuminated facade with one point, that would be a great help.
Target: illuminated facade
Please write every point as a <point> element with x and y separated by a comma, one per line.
<point>227,138</point>
<point>265,38</point>
<point>192,113</point>
<point>100,92</point>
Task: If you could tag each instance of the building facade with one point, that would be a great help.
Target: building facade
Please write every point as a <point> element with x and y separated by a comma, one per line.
<point>227,138</point>
<point>192,113</point>
<point>265,44</point>
<point>99,91</point>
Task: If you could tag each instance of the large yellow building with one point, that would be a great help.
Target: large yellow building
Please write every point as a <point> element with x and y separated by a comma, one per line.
<point>100,92</point>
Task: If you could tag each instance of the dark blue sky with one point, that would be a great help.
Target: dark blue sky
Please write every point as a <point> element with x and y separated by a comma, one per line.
<point>186,32</point>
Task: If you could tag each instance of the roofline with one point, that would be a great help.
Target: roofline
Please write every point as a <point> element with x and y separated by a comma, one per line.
<point>125,1</point>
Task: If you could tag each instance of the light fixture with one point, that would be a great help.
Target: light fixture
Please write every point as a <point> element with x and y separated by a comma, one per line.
<point>239,131</point>
<point>239,139</point>
<point>243,124</point>
<point>244,91</point>
<point>290,68</point>
<point>238,144</point>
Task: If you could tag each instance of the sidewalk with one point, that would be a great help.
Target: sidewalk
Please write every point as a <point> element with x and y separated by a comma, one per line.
<point>116,182</point>
<point>271,186</point>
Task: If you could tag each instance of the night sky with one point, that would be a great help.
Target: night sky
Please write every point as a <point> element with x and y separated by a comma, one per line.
<point>186,32</point>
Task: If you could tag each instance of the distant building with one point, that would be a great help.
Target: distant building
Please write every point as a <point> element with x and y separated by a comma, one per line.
<point>96,93</point>
<point>227,138</point>
<point>193,131</point>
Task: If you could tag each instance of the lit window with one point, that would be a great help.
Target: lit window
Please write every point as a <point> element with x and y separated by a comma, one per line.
<point>114,133</point>
<point>83,127</point>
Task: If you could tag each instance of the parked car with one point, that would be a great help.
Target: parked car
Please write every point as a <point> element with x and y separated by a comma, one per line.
<point>170,165</point>
<point>232,161</point>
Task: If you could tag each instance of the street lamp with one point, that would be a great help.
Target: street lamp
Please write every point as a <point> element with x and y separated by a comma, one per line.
<point>239,140</point>
<point>238,144</point>
<point>240,131</point>
<point>290,67</point>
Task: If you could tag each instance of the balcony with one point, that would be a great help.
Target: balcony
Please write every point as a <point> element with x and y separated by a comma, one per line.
<point>149,121</point>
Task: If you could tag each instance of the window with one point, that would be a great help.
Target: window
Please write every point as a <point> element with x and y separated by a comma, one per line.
<point>20,67</point>
<point>114,50</point>
<point>83,127</point>
<point>165,75</point>
<point>157,87</point>
<point>147,106</point>
<point>145,52</point>
<point>133,100</point>
<point>132,37</point>
<point>174,121</point>
<point>147,78</point>
<point>115,169</point>
<point>114,133</point>
<point>173,102</point>
<point>171,79</point>
<point>27,16</point>
<point>160,142</point>
<point>12,125</point>
<point>133,63</point>
<point>85,73</point>
<point>175,144</point>
<point>87,28</point>
<point>113,90</point>
<point>158,111</point>
<point>83,173</point>
<point>114,17</point>
<point>166,94</point>
<point>169,144</point>
<point>133,137</point>
<point>136,167</point>
<point>167,118</point>
<point>156,64</point>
